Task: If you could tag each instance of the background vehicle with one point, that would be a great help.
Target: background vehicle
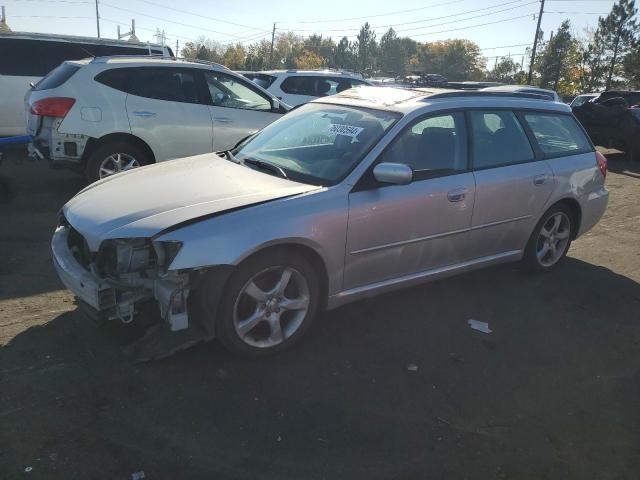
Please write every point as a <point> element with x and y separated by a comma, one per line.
<point>27,57</point>
<point>550,94</point>
<point>581,99</point>
<point>301,86</point>
<point>109,114</point>
<point>343,198</point>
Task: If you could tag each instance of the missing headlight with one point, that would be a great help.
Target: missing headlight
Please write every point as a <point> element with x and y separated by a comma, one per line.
<point>166,252</point>
<point>125,256</point>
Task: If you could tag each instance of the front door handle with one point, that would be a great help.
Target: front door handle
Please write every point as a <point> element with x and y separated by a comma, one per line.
<point>223,119</point>
<point>539,179</point>
<point>144,114</point>
<point>457,195</point>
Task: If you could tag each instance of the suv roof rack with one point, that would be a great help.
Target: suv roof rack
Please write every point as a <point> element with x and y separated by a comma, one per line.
<point>104,59</point>
<point>479,93</point>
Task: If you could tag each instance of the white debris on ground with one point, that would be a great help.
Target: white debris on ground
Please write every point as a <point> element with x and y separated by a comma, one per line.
<point>479,326</point>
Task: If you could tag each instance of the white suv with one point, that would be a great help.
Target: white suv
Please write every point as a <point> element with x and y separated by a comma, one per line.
<point>109,114</point>
<point>296,87</point>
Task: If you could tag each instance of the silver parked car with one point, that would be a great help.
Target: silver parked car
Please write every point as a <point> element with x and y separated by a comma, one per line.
<point>345,197</point>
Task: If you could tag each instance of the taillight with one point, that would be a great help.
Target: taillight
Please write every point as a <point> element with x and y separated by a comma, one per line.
<point>602,163</point>
<point>52,107</point>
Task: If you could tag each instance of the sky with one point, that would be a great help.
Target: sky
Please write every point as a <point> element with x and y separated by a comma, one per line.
<point>499,27</point>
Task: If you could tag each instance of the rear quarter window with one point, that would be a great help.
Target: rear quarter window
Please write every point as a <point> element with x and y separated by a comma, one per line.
<point>57,76</point>
<point>557,135</point>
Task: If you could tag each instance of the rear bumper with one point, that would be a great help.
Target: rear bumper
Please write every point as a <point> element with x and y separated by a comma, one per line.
<point>84,285</point>
<point>593,206</point>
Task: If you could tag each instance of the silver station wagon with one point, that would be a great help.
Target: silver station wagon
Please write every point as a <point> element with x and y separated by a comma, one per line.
<point>345,197</point>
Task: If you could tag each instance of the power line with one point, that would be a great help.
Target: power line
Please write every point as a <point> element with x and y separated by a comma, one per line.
<point>473,26</point>
<point>166,20</point>
<point>507,46</point>
<point>397,12</point>
<point>203,16</point>
<point>435,18</point>
<point>465,19</point>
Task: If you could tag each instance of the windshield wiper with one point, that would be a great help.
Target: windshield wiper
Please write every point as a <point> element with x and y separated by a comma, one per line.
<point>256,163</point>
<point>267,166</point>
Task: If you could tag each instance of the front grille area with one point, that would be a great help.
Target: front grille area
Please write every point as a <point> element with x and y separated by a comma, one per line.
<point>79,247</point>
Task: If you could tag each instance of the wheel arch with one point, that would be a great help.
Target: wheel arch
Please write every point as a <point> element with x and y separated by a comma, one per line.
<point>94,143</point>
<point>576,211</point>
<point>306,251</point>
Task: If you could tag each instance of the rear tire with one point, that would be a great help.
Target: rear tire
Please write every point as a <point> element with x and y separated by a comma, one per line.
<point>550,240</point>
<point>269,303</point>
<point>112,158</point>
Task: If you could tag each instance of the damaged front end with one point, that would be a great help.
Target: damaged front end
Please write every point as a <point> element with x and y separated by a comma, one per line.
<point>119,280</point>
<point>135,270</point>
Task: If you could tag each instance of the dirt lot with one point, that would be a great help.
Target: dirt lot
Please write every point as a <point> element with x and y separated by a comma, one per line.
<point>552,393</point>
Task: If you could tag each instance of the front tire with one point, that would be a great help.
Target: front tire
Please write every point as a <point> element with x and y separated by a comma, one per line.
<point>550,240</point>
<point>113,158</point>
<point>269,303</point>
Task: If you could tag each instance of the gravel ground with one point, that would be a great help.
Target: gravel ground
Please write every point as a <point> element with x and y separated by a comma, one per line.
<point>552,393</point>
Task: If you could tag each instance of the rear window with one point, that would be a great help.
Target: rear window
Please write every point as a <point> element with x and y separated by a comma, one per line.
<point>557,134</point>
<point>57,77</point>
<point>263,80</point>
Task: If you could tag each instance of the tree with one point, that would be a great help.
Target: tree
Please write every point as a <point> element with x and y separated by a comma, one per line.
<point>617,33</point>
<point>203,49</point>
<point>309,61</point>
<point>455,59</point>
<point>505,71</point>
<point>367,49</point>
<point>259,56</point>
<point>234,57</point>
<point>344,56</point>
<point>631,67</point>
<point>393,55</point>
<point>557,62</point>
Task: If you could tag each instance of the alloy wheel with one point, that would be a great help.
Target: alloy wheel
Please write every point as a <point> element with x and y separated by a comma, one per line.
<point>271,307</point>
<point>553,239</point>
<point>116,163</point>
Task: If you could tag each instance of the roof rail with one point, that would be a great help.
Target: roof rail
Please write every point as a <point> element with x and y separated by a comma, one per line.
<point>104,59</point>
<point>479,93</point>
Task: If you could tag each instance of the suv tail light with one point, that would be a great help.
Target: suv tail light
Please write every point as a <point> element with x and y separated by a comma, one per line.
<point>602,163</point>
<point>52,107</point>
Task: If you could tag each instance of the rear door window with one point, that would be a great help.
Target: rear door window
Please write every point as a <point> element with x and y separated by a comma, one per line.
<point>557,134</point>
<point>498,139</point>
<point>171,84</point>
<point>296,85</point>
<point>57,76</point>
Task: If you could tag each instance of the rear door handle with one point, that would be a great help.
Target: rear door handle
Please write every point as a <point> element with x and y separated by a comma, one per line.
<point>457,195</point>
<point>144,114</point>
<point>223,119</point>
<point>539,179</point>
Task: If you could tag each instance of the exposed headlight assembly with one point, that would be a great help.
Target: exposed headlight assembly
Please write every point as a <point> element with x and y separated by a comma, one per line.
<point>166,252</point>
<point>125,255</point>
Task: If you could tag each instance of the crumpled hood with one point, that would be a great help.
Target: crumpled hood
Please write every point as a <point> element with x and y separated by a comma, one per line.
<point>145,201</point>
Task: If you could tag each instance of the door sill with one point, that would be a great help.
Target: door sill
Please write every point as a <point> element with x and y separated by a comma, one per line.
<point>384,286</point>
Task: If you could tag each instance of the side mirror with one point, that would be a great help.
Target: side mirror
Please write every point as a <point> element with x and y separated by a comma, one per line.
<point>393,173</point>
<point>275,104</point>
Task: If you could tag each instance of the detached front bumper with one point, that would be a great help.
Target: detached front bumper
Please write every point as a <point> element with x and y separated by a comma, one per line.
<point>90,289</point>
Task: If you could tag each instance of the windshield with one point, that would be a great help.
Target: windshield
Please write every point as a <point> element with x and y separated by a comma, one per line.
<point>318,143</point>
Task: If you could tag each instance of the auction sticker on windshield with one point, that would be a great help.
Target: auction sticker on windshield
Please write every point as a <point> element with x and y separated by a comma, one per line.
<point>346,130</point>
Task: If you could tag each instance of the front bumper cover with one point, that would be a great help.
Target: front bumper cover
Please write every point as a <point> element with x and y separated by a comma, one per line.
<point>84,285</point>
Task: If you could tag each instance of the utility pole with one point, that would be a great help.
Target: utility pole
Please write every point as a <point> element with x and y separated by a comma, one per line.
<point>97,19</point>
<point>535,43</point>
<point>177,47</point>
<point>273,38</point>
